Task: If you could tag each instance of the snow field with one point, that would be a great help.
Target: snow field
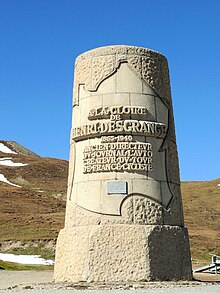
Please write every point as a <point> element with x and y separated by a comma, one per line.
<point>5,162</point>
<point>5,149</point>
<point>25,259</point>
<point>5,180</point>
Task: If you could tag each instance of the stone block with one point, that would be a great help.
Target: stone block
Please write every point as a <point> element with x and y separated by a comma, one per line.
<point>150,188</point>
<point>88,104</point>
<point>85,198</point>
<point>147,90</point>
<point>79,175</point>
<point>127,81</point>
<point>107,85</point>
<point>162,111</point>
<point>159,170</point>
<point>116,99</point>
<point>146,101</point>
<point>122,253</point>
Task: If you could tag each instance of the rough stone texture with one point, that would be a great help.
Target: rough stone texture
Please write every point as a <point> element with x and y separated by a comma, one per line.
<point>135,233</point>
<point>72,254</point>
<point>149,65</point>
<point>113,255</point>
<point>169,253</point>
<point>134,210</point>
<point>141,210</point>
<point>109,253</point>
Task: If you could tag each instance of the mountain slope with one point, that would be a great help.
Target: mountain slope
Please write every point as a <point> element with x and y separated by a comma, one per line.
<point>35,211</point>
<point>201,202</point>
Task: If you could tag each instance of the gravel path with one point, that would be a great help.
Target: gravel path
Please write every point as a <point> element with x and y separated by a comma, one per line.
<point>42,281</point>
<point>197,289</point>
<point>13,278</point>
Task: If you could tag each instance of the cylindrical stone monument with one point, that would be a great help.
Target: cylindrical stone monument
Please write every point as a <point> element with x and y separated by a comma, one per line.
<point>124,216</point>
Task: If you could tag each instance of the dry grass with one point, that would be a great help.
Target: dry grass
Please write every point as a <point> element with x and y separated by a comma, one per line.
<point>201,201</point>
<point>36,211</point>
<point>6,265</point>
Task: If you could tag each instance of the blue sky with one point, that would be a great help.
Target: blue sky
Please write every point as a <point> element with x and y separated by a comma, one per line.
<point>40,40</point>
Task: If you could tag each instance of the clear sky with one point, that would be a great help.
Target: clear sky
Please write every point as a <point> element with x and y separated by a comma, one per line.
<point>40,39</point>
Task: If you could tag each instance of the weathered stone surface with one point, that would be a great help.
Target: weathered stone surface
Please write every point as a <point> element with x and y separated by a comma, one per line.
<point>124,217</point>
<point>120,253</point>
<point>141,210</point>
<point>169,253</point>
<point>94,66</point>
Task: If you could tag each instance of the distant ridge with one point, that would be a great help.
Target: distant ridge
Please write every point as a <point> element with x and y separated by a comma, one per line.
<point>19,149</point>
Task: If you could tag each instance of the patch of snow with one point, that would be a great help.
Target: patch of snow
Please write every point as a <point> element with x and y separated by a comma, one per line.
<point>5,180</point>
<point>2,159</point>
<point>25,259</point>
<point>5,149</point>
<point>10,163</point>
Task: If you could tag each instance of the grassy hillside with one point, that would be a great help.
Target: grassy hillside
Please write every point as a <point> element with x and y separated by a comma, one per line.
<point>36,210</point>
<point>34,213</point>
<point>201,201</point>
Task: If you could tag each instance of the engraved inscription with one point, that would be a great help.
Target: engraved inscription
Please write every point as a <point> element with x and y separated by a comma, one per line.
<point>117,152</point>
<point>116,138</point>
<point>108,112</point>
<point>134,127</point>
<point>126,120</point>
<point>123,156</point>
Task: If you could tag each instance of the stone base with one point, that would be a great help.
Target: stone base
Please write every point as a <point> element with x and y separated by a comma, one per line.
<point>120,253</point>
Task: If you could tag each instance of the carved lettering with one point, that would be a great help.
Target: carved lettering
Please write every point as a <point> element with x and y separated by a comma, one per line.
<point>107,112</point>
<point>133,127</point>
<point>125,156</point>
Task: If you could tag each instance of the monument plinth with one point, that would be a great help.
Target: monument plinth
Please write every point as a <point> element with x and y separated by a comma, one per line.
<point>124,217</point>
